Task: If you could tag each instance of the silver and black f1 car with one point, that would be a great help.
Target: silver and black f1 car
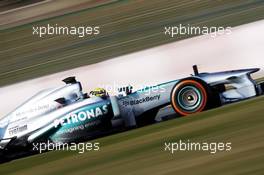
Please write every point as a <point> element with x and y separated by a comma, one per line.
<point>66,114</point>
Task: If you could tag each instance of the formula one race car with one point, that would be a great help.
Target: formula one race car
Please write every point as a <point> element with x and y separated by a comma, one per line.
<point>66,114</point>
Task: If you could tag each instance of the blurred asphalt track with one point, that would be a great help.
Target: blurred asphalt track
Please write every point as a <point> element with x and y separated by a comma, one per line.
<point>126,26</point>
<point>242,49</point>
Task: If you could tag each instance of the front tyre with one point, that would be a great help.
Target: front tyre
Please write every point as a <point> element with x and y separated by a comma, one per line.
<point>189,96</point>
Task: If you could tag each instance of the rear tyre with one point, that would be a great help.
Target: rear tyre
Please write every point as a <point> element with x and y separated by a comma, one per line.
<point>190,96</point>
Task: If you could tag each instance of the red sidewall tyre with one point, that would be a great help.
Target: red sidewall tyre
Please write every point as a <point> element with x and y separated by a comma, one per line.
<point>189,96</point>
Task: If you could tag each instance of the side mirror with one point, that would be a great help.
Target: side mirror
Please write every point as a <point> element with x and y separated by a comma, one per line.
<point>195,70</point>
<point>61,101</point>
<point>127,90</point>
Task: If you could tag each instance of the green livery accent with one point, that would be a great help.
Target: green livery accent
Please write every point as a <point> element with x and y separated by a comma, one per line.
<point>83,120</point>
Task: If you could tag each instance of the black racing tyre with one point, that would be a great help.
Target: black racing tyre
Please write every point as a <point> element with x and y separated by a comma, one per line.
<point>190,95</point>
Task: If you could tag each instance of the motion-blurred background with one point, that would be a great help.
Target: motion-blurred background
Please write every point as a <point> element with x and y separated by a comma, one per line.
<point>133,49</point>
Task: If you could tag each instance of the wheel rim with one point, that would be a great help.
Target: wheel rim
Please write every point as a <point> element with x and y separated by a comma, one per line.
<point>189,96</point>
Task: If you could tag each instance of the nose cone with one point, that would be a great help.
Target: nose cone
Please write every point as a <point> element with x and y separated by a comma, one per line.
<point>253,70</point>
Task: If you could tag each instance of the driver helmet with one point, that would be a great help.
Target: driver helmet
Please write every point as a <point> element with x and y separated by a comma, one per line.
<point>98,92</point>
